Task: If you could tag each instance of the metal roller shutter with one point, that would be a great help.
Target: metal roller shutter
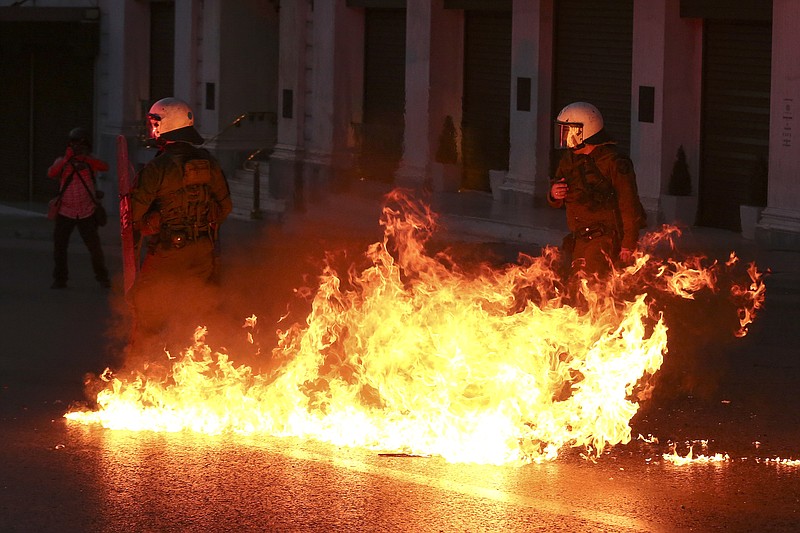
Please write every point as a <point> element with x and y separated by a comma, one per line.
<point>47,68</point>
<point>593,56</point>
<point>735,120</point>
<point>162,50</point>
<point>487,96</point>
<point>381,134</point>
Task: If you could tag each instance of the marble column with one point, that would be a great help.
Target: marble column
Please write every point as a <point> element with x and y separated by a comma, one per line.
<point>779,226</point>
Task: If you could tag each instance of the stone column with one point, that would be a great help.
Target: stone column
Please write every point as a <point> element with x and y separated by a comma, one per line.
<point>127,67</point>
<point>210,20</point>
<point>434,87</point>
<point>336,63</point>
<point>286,157</point>
<point>188,17</point>
<point>530,123</point>
<point>667,56</point>
<point>779,227</point>
<point>125,84</point>
<point>647,74</point>
<point>413,169</point>
<point>320,83</point>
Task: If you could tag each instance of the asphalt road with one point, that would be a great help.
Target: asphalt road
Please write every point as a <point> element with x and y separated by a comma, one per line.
<point>57,475</point>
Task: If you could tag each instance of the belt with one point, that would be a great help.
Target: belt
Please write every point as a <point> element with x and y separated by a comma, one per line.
<point>590,232</point>
<point>180,236</point>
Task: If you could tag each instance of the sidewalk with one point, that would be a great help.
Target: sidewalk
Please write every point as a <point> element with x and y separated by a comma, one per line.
<point>474,216</point>
<point>468,216</point>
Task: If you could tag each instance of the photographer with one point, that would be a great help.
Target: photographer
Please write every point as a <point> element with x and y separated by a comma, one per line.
<point>76,206</point>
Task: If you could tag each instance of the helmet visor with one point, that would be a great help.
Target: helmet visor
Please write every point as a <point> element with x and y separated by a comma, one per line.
<point>153,122</point>
<point>568,135</point>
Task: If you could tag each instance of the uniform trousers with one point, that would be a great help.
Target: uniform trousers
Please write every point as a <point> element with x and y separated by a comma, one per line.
<point>172,295</point>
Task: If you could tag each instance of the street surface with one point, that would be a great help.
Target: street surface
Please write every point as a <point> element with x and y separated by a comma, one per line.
<point>738,394</point>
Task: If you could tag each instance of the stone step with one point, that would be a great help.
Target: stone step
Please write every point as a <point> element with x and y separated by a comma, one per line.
<point>241,187</point>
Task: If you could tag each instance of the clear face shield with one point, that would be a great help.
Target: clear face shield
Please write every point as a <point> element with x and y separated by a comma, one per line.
<point>153,122</point>
<point>568,135</point>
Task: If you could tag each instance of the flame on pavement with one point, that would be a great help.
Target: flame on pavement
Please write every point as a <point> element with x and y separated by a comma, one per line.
<point>415,354</point>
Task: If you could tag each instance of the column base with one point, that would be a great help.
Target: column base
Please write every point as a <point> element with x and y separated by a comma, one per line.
<point>779,229</point>
<point>411,177</point>
<point>285,171</point>
<point>506,189</point>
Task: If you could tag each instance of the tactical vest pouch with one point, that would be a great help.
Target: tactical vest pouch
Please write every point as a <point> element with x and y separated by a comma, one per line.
<point>197,172</point>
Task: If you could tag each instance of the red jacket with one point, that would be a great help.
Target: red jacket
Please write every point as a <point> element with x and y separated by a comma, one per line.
<point>76,202</point>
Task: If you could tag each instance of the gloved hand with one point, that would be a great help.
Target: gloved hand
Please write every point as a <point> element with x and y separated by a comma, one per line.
<point>626,256</point>
<point>559,189</point>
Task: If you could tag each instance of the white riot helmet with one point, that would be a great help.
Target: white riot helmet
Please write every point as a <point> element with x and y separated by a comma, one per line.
<point>578,124</point>
<point>171,119</point>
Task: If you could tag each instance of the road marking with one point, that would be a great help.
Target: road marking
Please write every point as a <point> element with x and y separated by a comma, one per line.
<point>545,506</point>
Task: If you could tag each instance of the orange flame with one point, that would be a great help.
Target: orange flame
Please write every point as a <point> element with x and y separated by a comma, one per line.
<point>415,354</point>
<point>691,458</point>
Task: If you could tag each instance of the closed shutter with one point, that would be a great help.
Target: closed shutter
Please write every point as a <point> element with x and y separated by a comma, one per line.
<point>18,71</point>
<point>381,134</point>
<point>593,57</point>
<point>47,68</point>
<point>487,95</point>
<point>735,120</point>
<point>162,50</point>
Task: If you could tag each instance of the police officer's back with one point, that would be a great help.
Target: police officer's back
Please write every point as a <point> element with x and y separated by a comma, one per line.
<point>180,199</point>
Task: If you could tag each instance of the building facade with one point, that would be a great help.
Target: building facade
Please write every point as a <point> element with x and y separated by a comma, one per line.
<point>451,94</point>
<point>102,64</point>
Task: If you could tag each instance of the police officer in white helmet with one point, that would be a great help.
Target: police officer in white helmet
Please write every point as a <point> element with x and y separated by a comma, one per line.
<point>180,199</point>
<point>596,184</point>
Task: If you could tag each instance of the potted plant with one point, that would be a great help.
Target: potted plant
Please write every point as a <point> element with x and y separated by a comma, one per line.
<point>446,175</point>
<point>679,206</point>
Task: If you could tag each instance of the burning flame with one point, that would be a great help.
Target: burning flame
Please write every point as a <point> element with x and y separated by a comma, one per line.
<point>690,458</point>
<point>416,354</point>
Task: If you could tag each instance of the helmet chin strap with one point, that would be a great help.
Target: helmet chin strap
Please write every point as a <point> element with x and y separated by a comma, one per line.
<point>155,142</point>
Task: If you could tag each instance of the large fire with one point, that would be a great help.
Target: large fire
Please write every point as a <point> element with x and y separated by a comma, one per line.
<point>416,354</point>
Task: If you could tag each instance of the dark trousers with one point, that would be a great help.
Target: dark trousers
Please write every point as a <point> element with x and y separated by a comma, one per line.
<point>87,228</point>
<point>595,256</point>
<point>171,296</point>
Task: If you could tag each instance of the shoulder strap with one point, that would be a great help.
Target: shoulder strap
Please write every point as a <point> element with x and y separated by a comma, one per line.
<point>84,184</point>
<point>67,181</point>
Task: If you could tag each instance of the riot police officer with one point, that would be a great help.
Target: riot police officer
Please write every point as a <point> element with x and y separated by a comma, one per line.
<point>178,203</point>
<point>597,186</point>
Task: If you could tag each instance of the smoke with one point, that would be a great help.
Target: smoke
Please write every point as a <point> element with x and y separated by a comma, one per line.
<point>268,270</point>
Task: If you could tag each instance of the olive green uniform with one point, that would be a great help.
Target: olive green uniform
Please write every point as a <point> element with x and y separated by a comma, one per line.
<point>603,209</point>
<point>180,199</point>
